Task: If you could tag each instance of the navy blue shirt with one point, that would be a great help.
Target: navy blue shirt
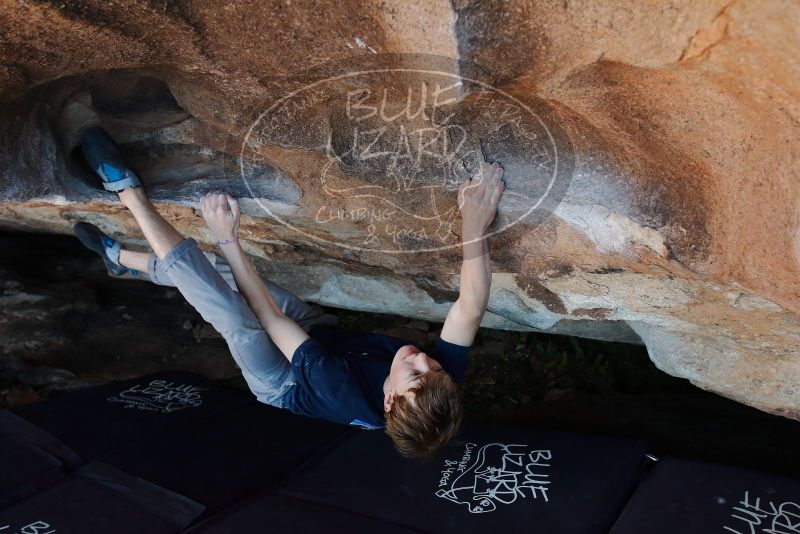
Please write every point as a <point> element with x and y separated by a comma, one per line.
<point>339,373</point>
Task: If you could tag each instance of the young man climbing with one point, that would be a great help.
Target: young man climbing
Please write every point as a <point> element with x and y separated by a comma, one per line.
<point>294,355</point>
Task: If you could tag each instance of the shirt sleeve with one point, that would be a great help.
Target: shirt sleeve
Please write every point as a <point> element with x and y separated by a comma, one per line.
<point>452,357</point>
<point>318,372</point>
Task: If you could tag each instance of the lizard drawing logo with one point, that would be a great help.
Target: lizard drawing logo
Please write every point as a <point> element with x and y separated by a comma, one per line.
<point>495,475</point>
<point>160,396</point>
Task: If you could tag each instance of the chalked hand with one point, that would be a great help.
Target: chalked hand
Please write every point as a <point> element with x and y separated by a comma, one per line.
<point>478,198</point>
<point>221,213</point>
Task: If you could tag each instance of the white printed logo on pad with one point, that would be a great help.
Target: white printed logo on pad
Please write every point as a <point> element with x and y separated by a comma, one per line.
<point>160,396</point>
<point>495,474</point>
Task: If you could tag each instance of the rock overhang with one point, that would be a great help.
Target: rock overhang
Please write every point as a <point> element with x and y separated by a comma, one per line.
<point>677,224</point>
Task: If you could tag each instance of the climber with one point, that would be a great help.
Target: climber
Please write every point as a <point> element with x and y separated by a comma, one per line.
<point>294,355</point>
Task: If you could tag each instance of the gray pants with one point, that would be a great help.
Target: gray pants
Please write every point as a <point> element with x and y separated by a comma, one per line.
<point>206,282</point>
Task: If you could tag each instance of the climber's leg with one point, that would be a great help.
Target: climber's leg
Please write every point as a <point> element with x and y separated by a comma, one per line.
<point>267,372</point>
<point>161,277</point>
<point>161,236</point>
<point>291,305</point>
<point>109,250</point>
<point>306,315</point>
<point>134,260</point>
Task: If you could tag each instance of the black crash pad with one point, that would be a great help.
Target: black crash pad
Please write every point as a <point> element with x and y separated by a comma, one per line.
<point>279,515</point>
<point>177,430</point>
<point>694,498</point>
<point>95,420</point>
<point>495,479</point>
<point>228,457</point>
<point>100,499</point>
<point>30,459</point>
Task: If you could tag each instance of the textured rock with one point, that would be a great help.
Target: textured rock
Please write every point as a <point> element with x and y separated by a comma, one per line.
<point>667,130</point>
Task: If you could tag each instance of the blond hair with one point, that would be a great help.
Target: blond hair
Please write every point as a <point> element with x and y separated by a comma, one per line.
<point>421,428</point>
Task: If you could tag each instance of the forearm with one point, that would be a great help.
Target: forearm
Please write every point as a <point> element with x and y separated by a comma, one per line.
<point>476,272</point>
<point>282,330</point>
<point>251,286</point>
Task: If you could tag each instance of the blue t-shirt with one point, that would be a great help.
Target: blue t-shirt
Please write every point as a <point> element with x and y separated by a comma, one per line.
<point>339,373</point>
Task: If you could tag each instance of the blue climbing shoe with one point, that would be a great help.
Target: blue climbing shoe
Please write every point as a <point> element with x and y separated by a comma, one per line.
<point>103,155</point>
<point>105,247</point>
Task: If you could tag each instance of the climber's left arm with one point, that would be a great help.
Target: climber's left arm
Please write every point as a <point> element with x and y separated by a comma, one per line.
<point>221,213</point>
<point>478,200</point>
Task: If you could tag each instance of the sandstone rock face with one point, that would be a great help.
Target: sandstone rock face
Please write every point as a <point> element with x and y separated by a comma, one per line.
<point>651,151</point>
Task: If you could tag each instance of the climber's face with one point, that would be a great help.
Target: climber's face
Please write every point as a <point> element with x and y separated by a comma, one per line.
<point>408,366</point>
